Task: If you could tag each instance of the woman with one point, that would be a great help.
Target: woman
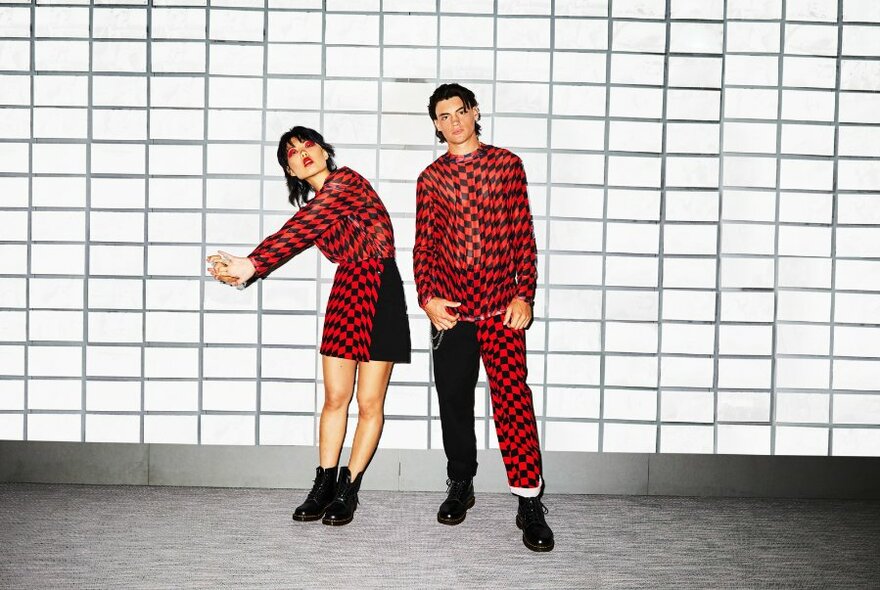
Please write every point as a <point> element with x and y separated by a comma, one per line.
<point>365,327</point>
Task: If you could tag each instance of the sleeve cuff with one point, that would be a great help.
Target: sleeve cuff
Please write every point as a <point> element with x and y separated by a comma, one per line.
<point>257,274</point>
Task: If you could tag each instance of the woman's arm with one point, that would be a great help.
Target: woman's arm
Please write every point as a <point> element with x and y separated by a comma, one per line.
<point>335,200</point>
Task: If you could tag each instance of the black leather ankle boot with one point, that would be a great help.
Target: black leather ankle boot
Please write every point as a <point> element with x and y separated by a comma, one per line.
<point>459,498</point>
<point>341,509</point>
<point>537,536</point>
<point>323,491</point>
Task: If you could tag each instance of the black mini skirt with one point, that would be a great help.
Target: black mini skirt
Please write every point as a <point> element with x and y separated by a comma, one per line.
<point>389,338</point>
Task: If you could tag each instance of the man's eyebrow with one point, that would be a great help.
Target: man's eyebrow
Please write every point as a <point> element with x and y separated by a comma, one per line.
<point>465,109</point>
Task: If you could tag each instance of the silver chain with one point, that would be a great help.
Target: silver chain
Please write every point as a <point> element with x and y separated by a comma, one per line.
<point>436,339</point>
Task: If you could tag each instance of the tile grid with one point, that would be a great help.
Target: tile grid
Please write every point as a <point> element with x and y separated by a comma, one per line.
<point>605,254</point>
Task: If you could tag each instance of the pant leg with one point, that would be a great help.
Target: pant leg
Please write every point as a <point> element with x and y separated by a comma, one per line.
<point>504,356</point>
<point>456,369</point>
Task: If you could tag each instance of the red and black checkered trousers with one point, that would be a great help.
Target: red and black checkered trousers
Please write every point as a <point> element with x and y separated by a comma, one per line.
<point>347,221</point>
<point>503,351</point>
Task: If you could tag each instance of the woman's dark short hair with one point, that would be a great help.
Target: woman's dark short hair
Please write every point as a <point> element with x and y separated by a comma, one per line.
<point>300,189</point>
<point>445,92</point>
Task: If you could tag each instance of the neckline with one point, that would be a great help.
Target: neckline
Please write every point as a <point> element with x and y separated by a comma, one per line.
<point>480,151</point>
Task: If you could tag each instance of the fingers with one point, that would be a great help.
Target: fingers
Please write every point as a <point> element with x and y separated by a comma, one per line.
<point>436,308</point>
<point>444,324</point>
<point>438,312</point>
<point>219,269</point>
<point>219,272</point>
<point>516,320</point>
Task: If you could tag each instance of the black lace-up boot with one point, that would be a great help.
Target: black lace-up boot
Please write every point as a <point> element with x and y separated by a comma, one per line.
<point>341,509</point>
<point>459,498</point>
<point>323,491</point>
<point>537,536</point>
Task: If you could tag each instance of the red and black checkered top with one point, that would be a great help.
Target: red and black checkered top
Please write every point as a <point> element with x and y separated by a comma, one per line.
<point>346,220</point>
<point>475,240</point>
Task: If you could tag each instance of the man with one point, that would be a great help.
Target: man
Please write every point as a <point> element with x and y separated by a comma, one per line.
<point>475,269</point>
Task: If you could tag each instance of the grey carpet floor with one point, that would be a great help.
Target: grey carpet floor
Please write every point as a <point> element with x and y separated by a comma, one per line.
<point>71,536</point>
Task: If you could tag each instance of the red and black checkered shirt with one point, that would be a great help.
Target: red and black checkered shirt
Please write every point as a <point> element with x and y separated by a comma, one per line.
<point>346,220</point>
<point>475,241</point>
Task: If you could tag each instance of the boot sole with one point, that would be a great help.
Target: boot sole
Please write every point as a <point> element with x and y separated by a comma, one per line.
<point>299,518</point>
<point>538,548</point>
<point>337,522</point>
<point>455,521</point>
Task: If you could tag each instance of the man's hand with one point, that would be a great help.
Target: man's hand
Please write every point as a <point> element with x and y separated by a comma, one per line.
<point>439,315</point>
<point>518,314</point>
<point>229,269</point>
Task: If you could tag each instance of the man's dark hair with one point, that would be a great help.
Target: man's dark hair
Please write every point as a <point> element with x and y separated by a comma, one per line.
<point>300,189</point>
<point>445,92</point>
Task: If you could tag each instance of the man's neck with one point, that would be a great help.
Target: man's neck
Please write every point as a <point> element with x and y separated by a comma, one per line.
<point>463,149</point>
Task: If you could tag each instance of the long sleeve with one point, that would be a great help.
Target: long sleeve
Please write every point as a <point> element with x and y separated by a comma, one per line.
<point>423,250</point>
<point>334,201</point>
<point>524,250</point>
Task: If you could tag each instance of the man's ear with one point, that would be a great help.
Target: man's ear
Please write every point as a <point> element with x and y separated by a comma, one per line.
<point>477,110</point>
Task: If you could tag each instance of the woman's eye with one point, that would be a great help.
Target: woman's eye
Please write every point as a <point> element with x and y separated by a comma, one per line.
<point>290,152</point>
<point>309,143</point>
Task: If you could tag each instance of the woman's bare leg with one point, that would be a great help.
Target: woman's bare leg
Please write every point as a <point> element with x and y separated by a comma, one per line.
<point>372,384</point>
<point>338,388</point>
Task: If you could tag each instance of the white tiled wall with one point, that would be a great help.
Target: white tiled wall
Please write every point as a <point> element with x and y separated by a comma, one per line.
<point>705,178</point>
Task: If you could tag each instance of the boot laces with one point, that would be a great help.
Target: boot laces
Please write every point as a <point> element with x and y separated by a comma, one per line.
<point>319,485</point>
<point>456,487</point>
<point>533,510</point>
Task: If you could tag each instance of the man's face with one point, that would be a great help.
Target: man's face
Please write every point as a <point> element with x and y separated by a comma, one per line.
<point>455,121</point>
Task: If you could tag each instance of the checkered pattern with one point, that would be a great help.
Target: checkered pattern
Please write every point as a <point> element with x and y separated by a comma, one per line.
<point>347,221</point>
<point>348,322</point>
<point>475,241</point>
<point>503,351</point>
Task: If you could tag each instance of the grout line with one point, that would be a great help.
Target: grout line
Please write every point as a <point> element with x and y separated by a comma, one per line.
<point>835,204</point>
<point>718,238</point>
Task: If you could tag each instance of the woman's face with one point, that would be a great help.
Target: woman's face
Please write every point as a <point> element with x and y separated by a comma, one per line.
<point>305,158</point>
